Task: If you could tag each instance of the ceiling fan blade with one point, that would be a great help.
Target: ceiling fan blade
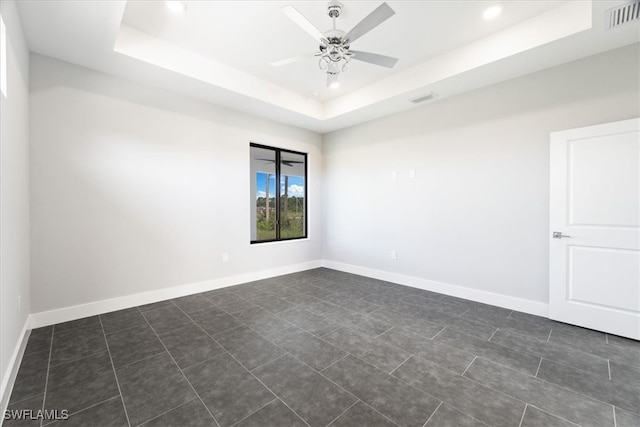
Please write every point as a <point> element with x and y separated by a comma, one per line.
<point>372,20</point>
<point>291,60</point>
<point>374,58</point>
<point>304,23</point>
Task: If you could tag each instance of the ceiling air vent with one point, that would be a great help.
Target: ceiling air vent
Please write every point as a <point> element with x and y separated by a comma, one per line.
<point>422,98</point>
<point>620,15</point>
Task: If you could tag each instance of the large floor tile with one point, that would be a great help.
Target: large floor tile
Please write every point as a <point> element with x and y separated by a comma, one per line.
<point>534,417</point>
<point>310,322</point>
<point>626,419</point>
<point>152,387</point>
<point>362,414</point>
<point>480,402</point>
<point>214,320</point>
<point>39,340</point>
<point>248,347</point>
<point>229,391</point>
<point>311,350</point>
<point>358,322</point>
<point>595,342</point>
<point>523,362</point>
<point>228,301</point>
<point>106,414</point>
<point>275,413</point>
<point>383,356</point>
<point>622,373</point>
<point>31,378</point>
<point>260,320</point>
<point>131,345</point>
<point>441,354</point>
<point>15,417</point>
<point>81,383</point>
<point>556,352</point>
<point>122,319</point>
<point>76,343</point>
<point>191,414</point>
<point>412,324</point>
<point>78,323</point>
<point>166,318</point>
<point>394,398</point>
<point>597,387</point>
<point>273,304</point>
<point>192,303</point>
<point>446,416</point>
<point>471,327</point>
<point>314,398</point>
<point>190,345</point>
<point>551,398</point>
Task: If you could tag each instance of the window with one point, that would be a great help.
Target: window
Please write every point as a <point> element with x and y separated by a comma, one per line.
<point>278,194</point>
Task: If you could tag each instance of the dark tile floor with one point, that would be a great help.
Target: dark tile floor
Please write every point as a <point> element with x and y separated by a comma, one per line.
<point>323,348</point>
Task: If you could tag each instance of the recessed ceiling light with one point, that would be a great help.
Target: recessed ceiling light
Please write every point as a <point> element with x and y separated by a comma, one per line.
<point>176,6</point>
<point>492,12</point>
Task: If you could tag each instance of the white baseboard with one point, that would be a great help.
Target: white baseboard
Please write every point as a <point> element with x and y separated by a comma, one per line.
<point>98,307</point>
<point>12,369</point>
<point>500,300</point>
<point>66,314</point>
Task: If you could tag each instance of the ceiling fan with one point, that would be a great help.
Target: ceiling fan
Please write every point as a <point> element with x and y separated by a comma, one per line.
<point>335,45</point>
<point>289,163</point>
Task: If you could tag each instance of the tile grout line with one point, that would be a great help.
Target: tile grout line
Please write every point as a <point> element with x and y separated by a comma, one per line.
<point>178,366</point>
<point>526,405</point>
<point>468,366</point>
<point>49,422</point>
<point>441,331</point>
<point>256,411</point>
<point>167,411</point>
<point>552,414</point>
<point>433,413</point>
<point>609,367</point>
<point>266,363</point>
<point>333,363</point>
<point>549,337</point>
<point>115,375</point>
<point>342,413</point>
<point>538,369</point>
<point>318,372</point>
<point>615,422</point>
<point>493,334</point>
<point>46,381</point>
<point>378,412</point>
<point>405,361</point>
<point>245,368</point>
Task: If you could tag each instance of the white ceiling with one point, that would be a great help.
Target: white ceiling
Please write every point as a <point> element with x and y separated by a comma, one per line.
<point>220,51</point>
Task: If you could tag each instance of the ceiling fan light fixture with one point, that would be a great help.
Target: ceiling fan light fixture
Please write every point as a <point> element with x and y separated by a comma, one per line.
<point>492,12</point>
<point>176,6</point>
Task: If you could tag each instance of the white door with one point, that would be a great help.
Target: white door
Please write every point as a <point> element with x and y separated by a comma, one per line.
<point>595,215</point>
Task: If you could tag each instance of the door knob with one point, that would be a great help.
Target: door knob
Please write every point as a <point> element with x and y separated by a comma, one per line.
<point>559,235</point>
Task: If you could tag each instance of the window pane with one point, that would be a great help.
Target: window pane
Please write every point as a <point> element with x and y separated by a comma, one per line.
<point>263,170</point>
<point>292,195</point>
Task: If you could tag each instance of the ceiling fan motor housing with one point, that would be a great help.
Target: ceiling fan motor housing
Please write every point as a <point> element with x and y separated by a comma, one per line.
<point>334,8</point>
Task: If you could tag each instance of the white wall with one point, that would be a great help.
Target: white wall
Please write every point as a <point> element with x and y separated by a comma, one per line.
<point>134,189</point>
<point>14,198</point>
<point>476,214</point>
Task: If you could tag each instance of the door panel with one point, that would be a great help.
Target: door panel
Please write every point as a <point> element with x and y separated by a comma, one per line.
<point>595,206</point>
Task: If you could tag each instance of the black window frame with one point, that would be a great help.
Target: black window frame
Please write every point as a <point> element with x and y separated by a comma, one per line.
<point>278,166</point>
